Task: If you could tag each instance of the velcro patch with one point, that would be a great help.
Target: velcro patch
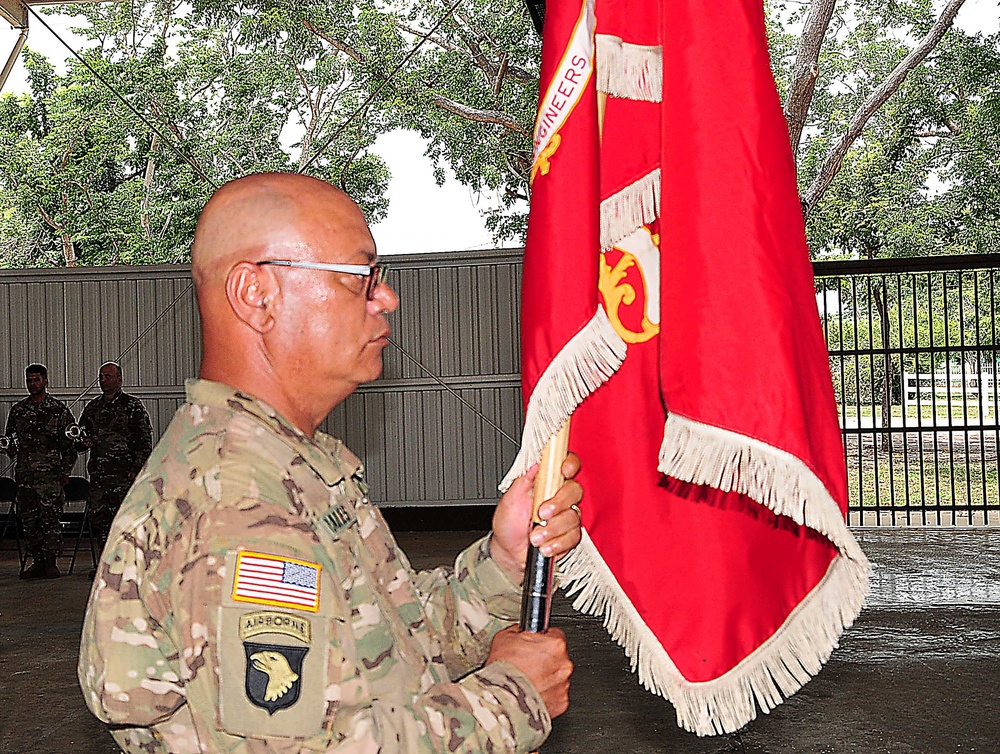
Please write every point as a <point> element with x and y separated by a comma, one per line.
<point>273,622</point>
<point>274,580</point>
<point>338,518</point>
<point>274,675</point>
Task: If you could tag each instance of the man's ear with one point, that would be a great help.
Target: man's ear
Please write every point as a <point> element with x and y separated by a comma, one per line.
<point>252,291</point>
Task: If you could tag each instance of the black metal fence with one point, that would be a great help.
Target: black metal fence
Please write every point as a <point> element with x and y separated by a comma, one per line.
<point>913,349</point>
<point>914,354</point>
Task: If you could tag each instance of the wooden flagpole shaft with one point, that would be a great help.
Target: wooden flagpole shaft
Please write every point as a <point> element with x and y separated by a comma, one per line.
<point>536,597</point>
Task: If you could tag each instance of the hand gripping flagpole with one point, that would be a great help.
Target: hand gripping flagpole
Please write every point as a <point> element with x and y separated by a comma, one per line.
<point>536,597</point>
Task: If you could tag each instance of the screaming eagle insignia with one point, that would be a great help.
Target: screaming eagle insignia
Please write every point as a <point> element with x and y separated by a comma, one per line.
<point>274,675</point>
<point>280,677</point>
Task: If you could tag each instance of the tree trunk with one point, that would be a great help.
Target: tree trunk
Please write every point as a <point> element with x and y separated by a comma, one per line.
<point>147,182</point>
<point>806,71</point>
<point>889,370</point>
<point>831,165</point>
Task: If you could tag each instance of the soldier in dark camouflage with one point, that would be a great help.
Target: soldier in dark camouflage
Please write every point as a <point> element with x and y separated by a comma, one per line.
<point>45,457</point>
<point>120,439</point>
<point>251,598</point>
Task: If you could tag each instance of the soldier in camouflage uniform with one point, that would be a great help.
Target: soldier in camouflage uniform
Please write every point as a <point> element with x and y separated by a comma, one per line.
<point>251,598</point>
<point>45,457</point>
<point>120,439</point>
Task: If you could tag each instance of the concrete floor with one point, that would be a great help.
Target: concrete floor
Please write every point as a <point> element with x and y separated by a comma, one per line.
<point>918,674</point>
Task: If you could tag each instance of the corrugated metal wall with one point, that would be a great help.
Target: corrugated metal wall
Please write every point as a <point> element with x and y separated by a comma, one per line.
<point>458,317</point>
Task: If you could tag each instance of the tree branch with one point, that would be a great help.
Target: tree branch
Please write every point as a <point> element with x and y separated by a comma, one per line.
<point>147,183</point>
<point>424,35</point>
<point>806,70</point>
<point>834,158</point>
<point>336,43</point>
<point>498,82</point>
<point>480,116</point>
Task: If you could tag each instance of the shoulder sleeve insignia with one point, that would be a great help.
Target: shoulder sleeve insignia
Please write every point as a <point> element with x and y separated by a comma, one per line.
<point>274,672</point>
<point>274,580</point>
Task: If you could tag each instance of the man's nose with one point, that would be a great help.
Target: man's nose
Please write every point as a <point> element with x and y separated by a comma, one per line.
<point>385,299</point>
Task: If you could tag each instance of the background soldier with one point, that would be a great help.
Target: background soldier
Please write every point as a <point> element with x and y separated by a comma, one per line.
<point>45,457</point>
<point>120,439</point>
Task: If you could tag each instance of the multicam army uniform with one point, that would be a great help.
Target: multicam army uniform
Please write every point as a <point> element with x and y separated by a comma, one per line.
<point>252,599</point>
<point>123,440</point>
<point>45,455</point>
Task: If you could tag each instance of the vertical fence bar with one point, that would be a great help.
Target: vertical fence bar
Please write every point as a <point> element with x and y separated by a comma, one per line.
<point>960,293</point>
<point>933,378</point>
<point>995,363</point>
<point>904,419</point>
<point>950,413</point>
<point>888,444</point>
<point>981,394</point>
<point>857,392</point>
<point>920,408</point>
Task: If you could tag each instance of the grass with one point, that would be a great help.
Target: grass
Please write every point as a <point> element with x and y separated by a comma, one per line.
<point>902,484</point>
<point>927,411</point>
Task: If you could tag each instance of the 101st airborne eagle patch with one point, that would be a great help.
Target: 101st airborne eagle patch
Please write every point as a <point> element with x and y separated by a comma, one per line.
<point>273,678</point>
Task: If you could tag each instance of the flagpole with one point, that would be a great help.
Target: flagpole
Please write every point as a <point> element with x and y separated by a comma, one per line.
<point>536,597</point>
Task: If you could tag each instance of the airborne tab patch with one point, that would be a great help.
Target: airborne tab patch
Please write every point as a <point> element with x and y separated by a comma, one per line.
<point>274,580</point>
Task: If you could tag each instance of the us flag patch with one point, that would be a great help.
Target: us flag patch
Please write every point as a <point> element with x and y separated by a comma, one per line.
<point>273,580</point>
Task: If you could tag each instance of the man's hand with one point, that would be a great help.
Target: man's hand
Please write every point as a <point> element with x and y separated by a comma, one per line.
<point>512,521</point>
<point>543,658</point>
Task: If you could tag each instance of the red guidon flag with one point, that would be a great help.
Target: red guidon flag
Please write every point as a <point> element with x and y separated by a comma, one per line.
<point>669,307</point>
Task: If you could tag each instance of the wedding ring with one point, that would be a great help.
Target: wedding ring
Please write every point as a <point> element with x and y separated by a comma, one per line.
<point>576,507</point>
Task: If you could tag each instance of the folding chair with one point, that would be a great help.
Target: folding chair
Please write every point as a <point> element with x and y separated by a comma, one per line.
<point>77,491</point>
<point>8,496</point>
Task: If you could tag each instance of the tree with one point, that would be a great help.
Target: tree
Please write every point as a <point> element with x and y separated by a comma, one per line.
<point>893,114</point>
<point>885,108</point>
<point>85,181</point>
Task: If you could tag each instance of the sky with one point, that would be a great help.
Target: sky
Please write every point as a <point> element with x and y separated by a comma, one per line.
<point>423,217</point>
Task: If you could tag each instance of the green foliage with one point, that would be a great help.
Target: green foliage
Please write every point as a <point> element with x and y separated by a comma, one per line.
<point>279,84</point>
<point>922,179</point>
<point>232,89</point>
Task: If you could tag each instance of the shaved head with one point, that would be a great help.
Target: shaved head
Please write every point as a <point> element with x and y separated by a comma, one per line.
<point>299,339</point>
<point>249,218</point>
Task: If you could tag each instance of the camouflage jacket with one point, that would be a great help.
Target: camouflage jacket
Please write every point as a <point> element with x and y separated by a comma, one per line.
<point>123,437</point>
<point>252,599</point>
<point>43,447</point>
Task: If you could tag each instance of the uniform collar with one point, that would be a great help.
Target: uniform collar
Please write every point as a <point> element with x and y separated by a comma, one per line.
<point>326,455</point>
<point>113,399</point>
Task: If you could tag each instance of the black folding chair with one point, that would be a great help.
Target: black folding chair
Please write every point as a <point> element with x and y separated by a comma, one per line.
<point>8,496</point>
<point>78,490</point>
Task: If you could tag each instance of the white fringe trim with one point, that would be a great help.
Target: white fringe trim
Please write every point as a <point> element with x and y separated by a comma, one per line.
<point>584,364</point>
<point>787,660</point>
<point>629,71</point>
<point>634,206</point>
<point>719,458</point>
<point>775,671</point>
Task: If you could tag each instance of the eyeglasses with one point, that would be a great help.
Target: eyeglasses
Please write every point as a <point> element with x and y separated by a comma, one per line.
<point>375,273</point>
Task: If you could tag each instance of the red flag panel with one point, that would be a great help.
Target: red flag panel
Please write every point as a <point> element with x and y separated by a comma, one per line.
<point>715,541</point>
